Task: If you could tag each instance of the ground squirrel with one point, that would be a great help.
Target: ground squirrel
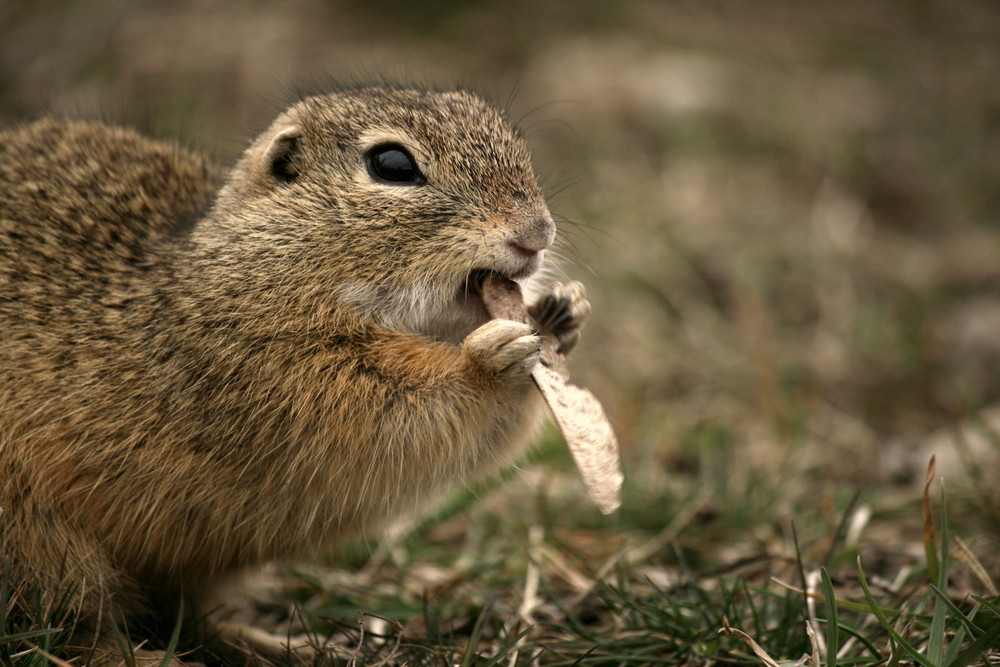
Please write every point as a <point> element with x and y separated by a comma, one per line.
<point>200,373</point>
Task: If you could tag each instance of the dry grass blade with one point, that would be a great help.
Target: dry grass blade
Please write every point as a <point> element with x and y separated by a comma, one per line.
<point>749,641</point>
<point>965,556</point>
<point>55,660</point>
<point>529,595</point>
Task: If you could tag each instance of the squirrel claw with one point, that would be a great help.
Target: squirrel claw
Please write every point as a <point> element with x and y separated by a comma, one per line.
<point>561,314</point>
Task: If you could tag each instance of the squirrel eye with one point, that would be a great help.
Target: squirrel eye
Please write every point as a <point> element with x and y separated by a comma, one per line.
<point>391,163</point>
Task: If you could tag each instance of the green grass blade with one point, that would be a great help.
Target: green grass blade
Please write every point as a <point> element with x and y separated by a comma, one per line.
<point>898,638</point>
<point>944,599</point>
<point>510,645</point>
<point>841,530</point>
<point>939,618</point>
<point>175,636</point>
<point>477,631</point>
<point>579,661</point>
<point>432,620</point>
<point>968,626</point>
<point>30,634</point>
<point>930,550</point>
<point>894,654</point>
<point>832,629</point>
<point>977,648</point>
<point>861,636</point>
<point>988,605</point>
<point>801,570</point>
<point>751,601</point>
<point>954,647</point>
<point>124,643</point>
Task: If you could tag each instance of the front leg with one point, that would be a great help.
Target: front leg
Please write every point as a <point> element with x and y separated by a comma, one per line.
<point>413,417</point>
<point>561,314</point>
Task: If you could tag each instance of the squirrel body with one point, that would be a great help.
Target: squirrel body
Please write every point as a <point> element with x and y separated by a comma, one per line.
<point>201,373</point>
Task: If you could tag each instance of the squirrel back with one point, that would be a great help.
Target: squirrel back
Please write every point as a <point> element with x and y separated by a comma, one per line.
<point>82,200</point>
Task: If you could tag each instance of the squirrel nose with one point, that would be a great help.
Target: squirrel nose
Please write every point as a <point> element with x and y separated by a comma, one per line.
<point>534,236</point>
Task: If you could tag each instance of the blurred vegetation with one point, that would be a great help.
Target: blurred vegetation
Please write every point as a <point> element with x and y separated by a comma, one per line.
<point>788,218</point>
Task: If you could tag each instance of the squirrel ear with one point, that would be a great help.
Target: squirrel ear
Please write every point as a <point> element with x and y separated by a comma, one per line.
<point>279,156</point>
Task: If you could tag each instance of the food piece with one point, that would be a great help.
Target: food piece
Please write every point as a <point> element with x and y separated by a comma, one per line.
<point>588,433</point>
<point>502,297</point>
<point>577,412</point>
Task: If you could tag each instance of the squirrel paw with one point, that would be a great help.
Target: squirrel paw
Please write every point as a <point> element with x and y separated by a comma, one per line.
<point>504,347</point>
<point>561,313</point>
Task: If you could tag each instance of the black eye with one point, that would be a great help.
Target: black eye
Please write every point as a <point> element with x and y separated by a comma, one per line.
<point>391,163</point>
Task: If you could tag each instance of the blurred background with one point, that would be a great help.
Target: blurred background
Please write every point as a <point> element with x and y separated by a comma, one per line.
<point>787,215</point>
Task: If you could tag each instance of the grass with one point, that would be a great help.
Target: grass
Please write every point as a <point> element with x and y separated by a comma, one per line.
<point>547,604</point>
<point>461,589</point>
<point>29,637</point>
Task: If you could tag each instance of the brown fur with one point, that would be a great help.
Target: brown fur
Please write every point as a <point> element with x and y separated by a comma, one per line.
<point>195,383</point>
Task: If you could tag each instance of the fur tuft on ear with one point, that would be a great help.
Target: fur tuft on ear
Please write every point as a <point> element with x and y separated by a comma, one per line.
<point>279,156</point>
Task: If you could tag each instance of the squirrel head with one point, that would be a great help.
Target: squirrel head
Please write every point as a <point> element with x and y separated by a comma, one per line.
<point>396,203</point>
